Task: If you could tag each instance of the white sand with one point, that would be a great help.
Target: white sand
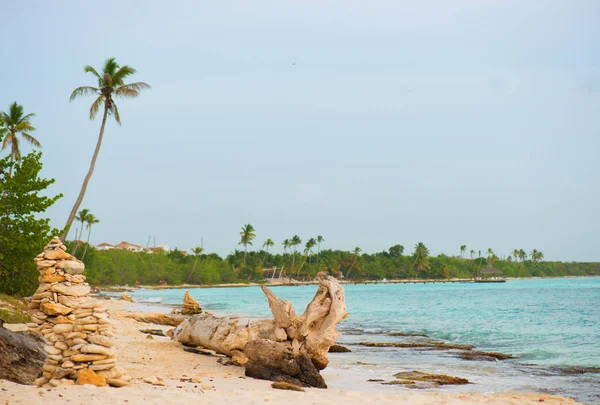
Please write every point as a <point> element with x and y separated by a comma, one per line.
<point>161,357</point>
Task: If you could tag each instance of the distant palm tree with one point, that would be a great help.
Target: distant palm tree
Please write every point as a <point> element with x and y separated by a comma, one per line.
<point>266,244</point>
<point>490,253</point>
<point>294,242</point>
<point>197,251</point>
<point>247,236</point>
<point>472,253</point>
<point>516,254</point>
<point>536,256</point>
<point>307,251</point>
<point>421,257</point>
<point>356,252</point>
<point>286,245</point>
<point>463,249</point>
<point>522,255</point>
<point>90,220</point>
<point>12,124</point>
<point>319,241</point>
<point>82,216</point>
<point>110,82</point>
<point>509,258</point>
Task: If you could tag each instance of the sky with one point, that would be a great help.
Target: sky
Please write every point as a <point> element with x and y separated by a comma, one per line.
<point>371,123</point>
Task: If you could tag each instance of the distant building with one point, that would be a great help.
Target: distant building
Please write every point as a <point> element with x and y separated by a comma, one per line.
<point>132,247</point>
<point>104,246</point>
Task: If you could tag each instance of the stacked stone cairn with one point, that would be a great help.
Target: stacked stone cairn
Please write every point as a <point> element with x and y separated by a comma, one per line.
<point>78,330</point>
<point>190,305</point>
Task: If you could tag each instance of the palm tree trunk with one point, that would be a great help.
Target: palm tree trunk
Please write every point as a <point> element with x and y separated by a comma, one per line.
<point>87,177</point>
<point>245,252</point>
<point>87,243</point>
<point>191,271</point>
<point>76,245</point>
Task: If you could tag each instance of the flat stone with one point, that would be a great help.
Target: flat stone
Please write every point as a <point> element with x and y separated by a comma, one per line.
<point>106,361</point>
<point>89,304</point>
<point>45,263</point>
<point>63,328</point>
<point>113,373</point>
<point>50,308</point>
<point>57,254</point>
<point>78,341</point>
<point>73,302</point>
<point>87,376</point>
<point>72,290</point>
<point>101,367</point>
<point>96,349</point>
<point>79,358</point>
<point>68,364</point>
<point>52,278</point>
<point>61,345</point>
<point>100,340</point>
<point>117,382</point>
<point>71,266</point>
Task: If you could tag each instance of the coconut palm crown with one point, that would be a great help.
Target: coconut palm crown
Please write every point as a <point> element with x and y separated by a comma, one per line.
<point>12,123</point>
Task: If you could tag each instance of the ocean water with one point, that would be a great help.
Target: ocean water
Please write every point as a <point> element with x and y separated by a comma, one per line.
<point>552,325</point>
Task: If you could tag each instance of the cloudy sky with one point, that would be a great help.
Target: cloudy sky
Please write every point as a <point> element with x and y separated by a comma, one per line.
<point>371,123</point>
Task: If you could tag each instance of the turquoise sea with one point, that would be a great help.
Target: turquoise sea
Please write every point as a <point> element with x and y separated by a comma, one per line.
<point>552,325</point>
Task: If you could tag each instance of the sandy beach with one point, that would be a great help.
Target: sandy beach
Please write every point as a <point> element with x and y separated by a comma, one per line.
<point>191,377</point>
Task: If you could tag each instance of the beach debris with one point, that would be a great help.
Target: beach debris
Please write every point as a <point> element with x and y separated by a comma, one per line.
<point>149,337</point>
<point>157,318</point>
<point>190,305</point>
<point>280,385</point>
<point>289,347</point>
<point>154,380</point>
<point>339,349</point>
<point>125,297</point>
<point>78,330</point>
<point>420,380</point>
<point>203,351</point>
<point>157,332</point>
<point>225,361</point>
<point>22,356</point>
<point>375,380</point>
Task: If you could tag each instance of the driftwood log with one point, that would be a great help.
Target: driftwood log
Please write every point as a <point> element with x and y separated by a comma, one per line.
<point>289,347</point>
<point>22,356</point>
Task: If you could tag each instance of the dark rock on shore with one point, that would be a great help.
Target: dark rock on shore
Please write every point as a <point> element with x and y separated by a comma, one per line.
<point>424,345</point>
<point>339,349</point>
<point>484,356</point>
<point>286,386</point>
<point>419,380</point>
<point>157,332</point>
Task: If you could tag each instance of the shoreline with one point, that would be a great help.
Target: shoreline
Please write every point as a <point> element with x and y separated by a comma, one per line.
<point>192,377</point>
<point>302,283</point>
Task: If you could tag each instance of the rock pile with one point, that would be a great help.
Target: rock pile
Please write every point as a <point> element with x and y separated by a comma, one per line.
<point>125,297</point>
<point>190,305</point>
<point>77,328</point>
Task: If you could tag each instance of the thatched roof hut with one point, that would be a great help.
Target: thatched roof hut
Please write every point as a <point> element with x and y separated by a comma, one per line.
<point>489,271</point>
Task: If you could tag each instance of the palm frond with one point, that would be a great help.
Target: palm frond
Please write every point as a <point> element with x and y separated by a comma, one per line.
<point>8,140</point>
<point>96,106</point>
<point>126,92</point>
<point>15,112</point>
<point>137,86</point>
<point>110,66</point>
<point>121,74</point>
<point>115,111</point>
<point>24,126</point>
<point>90,69</point>
<point>83,91</point>
<point>27,118</point>
<point>31,140</point>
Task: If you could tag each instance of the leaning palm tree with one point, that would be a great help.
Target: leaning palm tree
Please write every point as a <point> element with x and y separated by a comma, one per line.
<point>269,242</point>
<point>421,257</point>
<point>356,252</point>
<point>247,235</point>
<point>110,83</point>
<point>197,251</point>
<point>463,249</point>
<point>286,244</point>
<point>14,123</point>
<point>82,217</point>
<point>90,220</point>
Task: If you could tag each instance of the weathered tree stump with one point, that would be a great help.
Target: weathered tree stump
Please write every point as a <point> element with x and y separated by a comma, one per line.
<point>288,348</point>
<point>22,356</point>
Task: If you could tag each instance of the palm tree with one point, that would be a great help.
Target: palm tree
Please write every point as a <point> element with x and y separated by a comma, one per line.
<point>110,82</point>
<point>490,253</point>
<point>509,258</point>
<point>536,256</point>
<point>319,241</point>
<point>286,245</point>
<point>266,244</point>
<point>356,252</point>
<point>307,251</point>
<point>247,235</point>
<point>522,255</point>
<point>472,254</point>
<point>13,123</point>
<point>421,257</point>
<point>197,251</point>
<point>294,242</point>
<point>516,254</point>
<point>82,217</point>
<point>90,220</point>
<point>463,249</point>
